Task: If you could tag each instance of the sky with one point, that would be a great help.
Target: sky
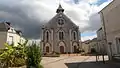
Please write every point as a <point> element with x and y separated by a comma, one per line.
<point>30,15</point>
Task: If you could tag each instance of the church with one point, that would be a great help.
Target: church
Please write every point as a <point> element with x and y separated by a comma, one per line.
<point>60,34</point>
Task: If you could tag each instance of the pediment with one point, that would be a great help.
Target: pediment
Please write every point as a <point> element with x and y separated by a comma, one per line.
<point>54,21</point>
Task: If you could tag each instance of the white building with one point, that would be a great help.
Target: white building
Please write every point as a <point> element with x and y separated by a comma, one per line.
<point>9,35</point>
<point>110,18</point>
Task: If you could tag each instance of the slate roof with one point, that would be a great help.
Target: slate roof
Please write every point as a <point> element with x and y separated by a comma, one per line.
<point>18,32</point>
<point>52,22</point>
<point>4,26</point>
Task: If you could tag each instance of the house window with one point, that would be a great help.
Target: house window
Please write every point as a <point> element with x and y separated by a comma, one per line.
<point>61,35</point>
<point>118,44</point>
<point>10,41</point>
<point>11,30</point>
<point>74,35</point>
<point>119,40</point>
<point>21,41</point>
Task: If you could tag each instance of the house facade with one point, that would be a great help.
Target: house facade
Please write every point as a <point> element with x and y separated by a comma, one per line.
<point>86,46</point>
<point>89,45</point>
<point>60,34</point>
<point>111,26</point>
<point>9,35</point>
<point>93,45</point>
<point>101,48</point>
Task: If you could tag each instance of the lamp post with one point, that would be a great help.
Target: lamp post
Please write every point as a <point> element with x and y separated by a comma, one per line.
<point>110,43</point>
<point>103,52</point>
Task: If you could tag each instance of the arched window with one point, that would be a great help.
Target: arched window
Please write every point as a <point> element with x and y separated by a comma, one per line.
<point>61,35</point>
<point>47,35</point>
<point>74,35</point>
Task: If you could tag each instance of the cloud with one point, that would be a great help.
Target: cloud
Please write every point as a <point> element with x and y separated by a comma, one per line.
<point>90,1</point>
<point>88,37</point>
<point>29,15</point>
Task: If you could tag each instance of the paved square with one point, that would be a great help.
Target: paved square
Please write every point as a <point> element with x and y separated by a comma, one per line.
<point>76,62</point>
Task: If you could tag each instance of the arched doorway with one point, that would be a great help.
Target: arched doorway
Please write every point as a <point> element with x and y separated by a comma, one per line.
<point>75,46</point>
<point>75,49</point>
<point>61,49</point>
<point>47,49</point>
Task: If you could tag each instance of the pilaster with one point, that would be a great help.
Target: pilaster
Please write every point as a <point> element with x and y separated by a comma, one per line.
<point>52,35</point>
<point>70,40</point>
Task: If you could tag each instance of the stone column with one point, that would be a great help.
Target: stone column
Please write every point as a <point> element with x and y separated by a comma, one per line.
<point>42,34</point>
<point>79,38</point>
<point>52,40</point>
<point>70,40</point>
<point>70,34</point>
<point>78,33</point>
<point>42,40</point>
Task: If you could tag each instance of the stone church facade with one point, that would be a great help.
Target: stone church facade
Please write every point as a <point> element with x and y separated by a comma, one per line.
<point>60,34</point>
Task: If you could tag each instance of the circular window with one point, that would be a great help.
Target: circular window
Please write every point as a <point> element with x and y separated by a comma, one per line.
<point>60,21</point>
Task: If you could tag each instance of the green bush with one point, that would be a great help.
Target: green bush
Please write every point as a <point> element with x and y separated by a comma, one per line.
<point>18,56</point>
<point>34,56</point>
<point>19,62</point>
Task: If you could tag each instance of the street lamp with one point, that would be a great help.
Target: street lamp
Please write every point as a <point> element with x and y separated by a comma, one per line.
<point>110,43</point>
<point>103,53</point>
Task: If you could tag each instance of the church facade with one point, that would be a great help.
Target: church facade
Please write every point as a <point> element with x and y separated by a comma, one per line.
<point>60,34</point>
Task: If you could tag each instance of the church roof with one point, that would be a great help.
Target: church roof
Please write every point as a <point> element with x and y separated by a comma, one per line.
<point>60,13</point>
<point>53,20</point>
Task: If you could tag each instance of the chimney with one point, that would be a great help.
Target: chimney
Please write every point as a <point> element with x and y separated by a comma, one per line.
<point>8,23</point>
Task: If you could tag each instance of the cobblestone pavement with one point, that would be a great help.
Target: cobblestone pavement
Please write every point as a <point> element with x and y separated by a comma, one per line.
<point>76,62</point>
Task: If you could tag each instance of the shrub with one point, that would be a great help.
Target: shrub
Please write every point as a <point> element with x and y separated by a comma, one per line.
<point>13,56</point>
<point>19,62</point>
<point>18,56</point>
<point>33,56</point>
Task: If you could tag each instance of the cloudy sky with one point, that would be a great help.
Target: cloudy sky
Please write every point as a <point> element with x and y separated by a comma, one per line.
<point>29,15</point>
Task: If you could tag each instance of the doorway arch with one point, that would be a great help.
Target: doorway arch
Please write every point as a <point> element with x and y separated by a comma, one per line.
<point>62,47</point>
<point>47,49</point>
<point>75,49</point>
